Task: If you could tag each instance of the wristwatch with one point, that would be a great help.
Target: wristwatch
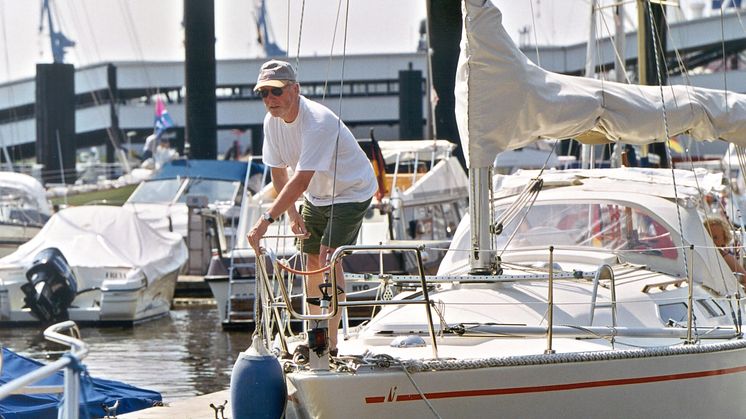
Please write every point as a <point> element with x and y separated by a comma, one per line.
<point>268,218</point>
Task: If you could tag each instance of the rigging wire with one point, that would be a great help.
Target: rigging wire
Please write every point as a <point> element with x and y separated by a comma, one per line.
<point>339,121</point>
<point>656,54</point>
<point>135,40</point>
<point>617,54</point>
<point>331,51</point>
<point>300,31</point>
<point>11,94</point>
<point>536,38</point>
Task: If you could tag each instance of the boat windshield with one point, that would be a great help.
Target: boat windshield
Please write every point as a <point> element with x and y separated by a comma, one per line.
<point>156,191</point>
<point>214,190</point>
<point>609,226</point>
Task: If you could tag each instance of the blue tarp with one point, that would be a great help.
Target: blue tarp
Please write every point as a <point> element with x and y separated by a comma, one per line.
<point>231,170</point>
<point>42,406</point>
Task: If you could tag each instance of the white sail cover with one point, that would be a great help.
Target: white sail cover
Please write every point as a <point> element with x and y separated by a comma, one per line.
<point>504,101</point>
<point>104,236</point>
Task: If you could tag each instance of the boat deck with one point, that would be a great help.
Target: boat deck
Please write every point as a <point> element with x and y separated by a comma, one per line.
<point>197,407</point>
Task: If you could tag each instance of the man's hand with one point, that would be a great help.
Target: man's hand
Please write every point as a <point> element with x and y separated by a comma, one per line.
<point>256,234</point>
<point>297,226</point>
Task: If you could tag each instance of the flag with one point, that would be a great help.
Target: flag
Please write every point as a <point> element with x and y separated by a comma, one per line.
<point>675,145</point>
<point>379,167</point>
<point>163,119</point>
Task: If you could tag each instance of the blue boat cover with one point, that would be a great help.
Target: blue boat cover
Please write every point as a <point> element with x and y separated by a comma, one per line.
<point>231,170</point>
<point>97,391</point>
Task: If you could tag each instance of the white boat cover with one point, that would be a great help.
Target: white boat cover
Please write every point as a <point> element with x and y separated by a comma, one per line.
<point>422,150</point>
<point>504,101</point>
<point>104,236</point>
<point>29,186</point>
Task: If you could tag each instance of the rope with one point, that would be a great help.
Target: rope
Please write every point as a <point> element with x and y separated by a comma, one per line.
<point>300,272</point>
<point>422,394</point>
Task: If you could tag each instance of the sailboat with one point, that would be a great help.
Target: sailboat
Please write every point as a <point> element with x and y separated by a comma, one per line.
<point>582,293</point>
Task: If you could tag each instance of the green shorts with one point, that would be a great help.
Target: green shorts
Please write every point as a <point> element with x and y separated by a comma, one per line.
<point>340,231</point>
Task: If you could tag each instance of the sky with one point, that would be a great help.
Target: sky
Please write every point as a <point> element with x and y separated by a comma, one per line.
<point>139,30</point>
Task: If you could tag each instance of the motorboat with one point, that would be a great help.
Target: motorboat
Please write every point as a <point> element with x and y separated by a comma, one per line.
<point>593,293</point>
<point>162,199</point>
<point>24,209</point>
<point>93,265</point>
<point>422,196</point>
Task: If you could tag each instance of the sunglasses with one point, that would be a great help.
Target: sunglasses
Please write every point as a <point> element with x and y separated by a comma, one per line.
<point>276,91</point>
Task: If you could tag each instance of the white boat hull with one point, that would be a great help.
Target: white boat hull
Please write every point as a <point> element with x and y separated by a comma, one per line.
<point>692,383</point>
<point>118,302</point>
<point>14,235</point>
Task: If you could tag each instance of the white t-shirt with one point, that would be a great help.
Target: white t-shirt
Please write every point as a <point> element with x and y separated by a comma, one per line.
<point>309,143</point>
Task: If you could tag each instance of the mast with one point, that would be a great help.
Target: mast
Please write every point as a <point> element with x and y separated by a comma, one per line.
<point>647,73</point>
<point>586,150</point>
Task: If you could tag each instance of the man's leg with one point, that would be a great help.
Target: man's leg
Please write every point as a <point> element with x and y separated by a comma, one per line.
<point>334,322</point>
<point>314,281</point>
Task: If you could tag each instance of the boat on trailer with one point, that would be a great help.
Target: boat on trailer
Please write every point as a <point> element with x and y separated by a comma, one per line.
<point>593,293</point>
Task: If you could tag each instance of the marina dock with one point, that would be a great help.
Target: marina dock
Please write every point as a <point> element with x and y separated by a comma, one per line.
<point>192,286</point>
<point>193,408</point>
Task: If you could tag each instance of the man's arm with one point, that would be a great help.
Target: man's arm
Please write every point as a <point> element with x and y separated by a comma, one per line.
<point>289,190</point>
<point>279,178</point>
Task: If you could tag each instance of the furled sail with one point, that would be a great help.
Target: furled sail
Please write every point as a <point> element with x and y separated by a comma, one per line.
<point>504,101</point>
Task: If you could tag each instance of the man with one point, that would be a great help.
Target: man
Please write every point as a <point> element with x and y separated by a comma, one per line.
<point>149,147</point>
<point>330,170</point>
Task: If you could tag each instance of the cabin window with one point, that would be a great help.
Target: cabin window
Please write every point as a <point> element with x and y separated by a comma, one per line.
<point>630,231</point>
<point>451,217</point>
<point>673,311</point>
<point>214,190</point>
<point>711,308</point>
<point>156,191</point>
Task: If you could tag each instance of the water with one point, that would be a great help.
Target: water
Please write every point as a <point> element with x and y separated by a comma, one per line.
<point>183,355</point>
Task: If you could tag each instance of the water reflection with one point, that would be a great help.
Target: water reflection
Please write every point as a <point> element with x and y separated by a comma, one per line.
<point>183,355</point>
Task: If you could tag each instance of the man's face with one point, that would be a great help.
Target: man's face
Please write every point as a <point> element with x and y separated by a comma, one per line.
<point>280,106</point>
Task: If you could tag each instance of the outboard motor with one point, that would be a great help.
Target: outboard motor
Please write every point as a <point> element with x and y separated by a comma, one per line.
<point>51,286</point>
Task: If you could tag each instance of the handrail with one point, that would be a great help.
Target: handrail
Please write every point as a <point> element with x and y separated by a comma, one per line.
<point>550,303</point>
<point>79,350</point>
<point>605,268</point>
<point>338,254</point>
<point>689,298</point>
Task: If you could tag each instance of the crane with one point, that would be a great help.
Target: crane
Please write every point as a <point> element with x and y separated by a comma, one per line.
<point>57,39</point>
<point>271,49</point>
